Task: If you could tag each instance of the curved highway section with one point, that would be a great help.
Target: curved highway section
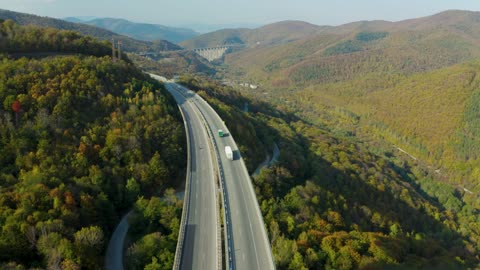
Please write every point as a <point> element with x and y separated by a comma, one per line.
<point>200,242</point>
<point>249,244</point>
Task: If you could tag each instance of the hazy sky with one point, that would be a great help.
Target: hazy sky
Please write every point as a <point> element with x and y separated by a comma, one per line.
<point>185,12</point>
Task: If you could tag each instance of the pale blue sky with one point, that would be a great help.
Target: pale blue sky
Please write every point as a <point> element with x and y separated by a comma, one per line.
<point>257,12</point>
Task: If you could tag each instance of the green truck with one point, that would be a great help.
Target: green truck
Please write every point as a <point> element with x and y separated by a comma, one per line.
<point>220,133</point>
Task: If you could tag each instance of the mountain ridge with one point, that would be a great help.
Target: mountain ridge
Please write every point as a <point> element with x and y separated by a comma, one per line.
<point>275,33</point>
<point>129,44</point>
<point>140,31</point>
<point>247,36</point>
<point>412,84</point>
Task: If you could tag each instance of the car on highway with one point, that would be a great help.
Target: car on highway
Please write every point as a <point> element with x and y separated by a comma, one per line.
<point>229,152</point>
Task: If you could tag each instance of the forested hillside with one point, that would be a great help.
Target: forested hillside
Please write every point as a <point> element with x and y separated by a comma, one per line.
<point>167,59</point>
<point>433,116</point>
<point>82,141</point>
<point>173,63</point>
<point>216,38</point>
<point>128,44</point>
<point>333,202</point>
<point>411,85</point>
<point>17,40</point>
<point>333,57</point>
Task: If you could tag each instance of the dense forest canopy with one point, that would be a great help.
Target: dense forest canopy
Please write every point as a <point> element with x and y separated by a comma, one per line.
<point>82,139</point>
<point>170,64</point>
<point>407,91</point>
<point>332,202</point>
<point>410,83</point>
<point>85,139</point>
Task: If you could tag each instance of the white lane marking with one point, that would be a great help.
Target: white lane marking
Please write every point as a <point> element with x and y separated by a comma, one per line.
<point>186,105</point>
<point>209,172</point>
<point>250,222</point>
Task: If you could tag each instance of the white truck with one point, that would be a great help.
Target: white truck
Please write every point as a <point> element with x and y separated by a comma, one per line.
<point>229,152</point>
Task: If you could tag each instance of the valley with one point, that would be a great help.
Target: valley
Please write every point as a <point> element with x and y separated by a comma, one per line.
<point>408,87</point>
<point>377,123</point>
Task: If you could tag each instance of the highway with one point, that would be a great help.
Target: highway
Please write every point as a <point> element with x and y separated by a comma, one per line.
<point>249,242</point>
<point>201,241</point>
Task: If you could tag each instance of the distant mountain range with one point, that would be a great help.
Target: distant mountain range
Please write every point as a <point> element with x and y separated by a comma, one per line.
<point>140,31</point>
<point>289,31</point>
<point>276,33</point>
<point>204,28</point>
<point>129,44</point>
<point>299,50</point>
<point>80,19</point>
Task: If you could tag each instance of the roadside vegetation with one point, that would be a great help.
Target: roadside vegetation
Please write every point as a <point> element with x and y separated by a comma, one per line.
<point>154,228</point>
<point>128,44</point>
<point>334,202</point>
<point>409,84</point>
<point>170,64</point>
<point>82,141</point>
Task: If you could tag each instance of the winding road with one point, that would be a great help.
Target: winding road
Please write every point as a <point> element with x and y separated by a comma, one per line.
<point>246,242</point>
<point>201,244</point>
<point>249,238</point>
<point>249,245</point>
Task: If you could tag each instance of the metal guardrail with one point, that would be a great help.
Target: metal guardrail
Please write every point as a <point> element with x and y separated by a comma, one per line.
<point>186,196</point>
<point>226,208</point>
<point>186,200</point>
<point>181,240</point>
<point>257,207</point>
<point>219,173</point>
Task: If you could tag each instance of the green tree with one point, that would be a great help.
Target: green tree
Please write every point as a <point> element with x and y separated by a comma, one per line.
<point>89,245</point>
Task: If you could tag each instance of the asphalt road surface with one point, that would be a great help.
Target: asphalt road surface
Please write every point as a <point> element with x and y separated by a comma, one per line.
<point>114,256</point>
<point>200,248</point>
<point>250,244</point>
